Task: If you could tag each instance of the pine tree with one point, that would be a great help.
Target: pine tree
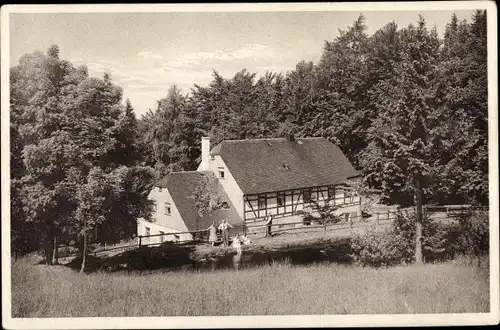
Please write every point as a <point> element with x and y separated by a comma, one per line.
<point>401,151</point>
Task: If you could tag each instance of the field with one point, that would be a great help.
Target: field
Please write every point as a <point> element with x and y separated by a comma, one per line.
<point>57,291</point>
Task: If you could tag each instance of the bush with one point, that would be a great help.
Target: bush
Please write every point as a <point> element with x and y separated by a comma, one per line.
<point>471,234</point>
<point>397,246</point>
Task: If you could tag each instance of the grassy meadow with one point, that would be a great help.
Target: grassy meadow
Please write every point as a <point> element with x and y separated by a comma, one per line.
<point>57,291</point>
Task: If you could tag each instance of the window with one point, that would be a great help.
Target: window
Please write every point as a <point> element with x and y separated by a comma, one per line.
<point>262,202</point>
<point>168,209</point>
<point>148,231</point>
<point>331,192</point>
<point>221,172</point>
<point>162,238</point>
<point>307,195</point>
<point>281,199</point>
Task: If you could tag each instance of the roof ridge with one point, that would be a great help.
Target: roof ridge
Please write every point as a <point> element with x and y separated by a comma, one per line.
<point>191,171</point>
<point>274,139</point>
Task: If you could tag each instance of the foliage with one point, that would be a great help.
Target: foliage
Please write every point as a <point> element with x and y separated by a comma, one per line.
<point>434,129</point>
<point>473,234</point>
<point>75,154</point>
<point>408,108</point>
<point>321,212</point>
<point>369,196</point>
<point>206,197</point>
<point>396,246</point>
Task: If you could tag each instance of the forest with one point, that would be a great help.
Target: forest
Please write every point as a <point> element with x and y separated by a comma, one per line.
<point>408,107</point>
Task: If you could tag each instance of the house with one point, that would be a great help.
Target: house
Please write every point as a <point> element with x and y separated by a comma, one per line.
<point>254,178</point>
<point>281,176</point>
<point>175,212</point>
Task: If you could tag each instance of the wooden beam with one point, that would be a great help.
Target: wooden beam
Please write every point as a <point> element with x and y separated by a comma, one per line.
<point>251,207</point>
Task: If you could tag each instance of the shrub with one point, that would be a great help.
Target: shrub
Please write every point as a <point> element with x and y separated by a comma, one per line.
<point>396,246</point>
<point>472,234</point>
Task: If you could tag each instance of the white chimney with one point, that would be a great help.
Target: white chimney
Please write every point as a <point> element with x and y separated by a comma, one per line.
<point>205,153</point>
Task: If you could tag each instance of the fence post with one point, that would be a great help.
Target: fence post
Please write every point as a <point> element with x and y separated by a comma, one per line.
<point>388,215</point>
<point>140,240</point>
<point>324,224</point>
<point>350,220</point>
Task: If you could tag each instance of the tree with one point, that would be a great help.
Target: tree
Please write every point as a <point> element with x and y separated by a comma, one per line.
<point>162,134</point>
<point>206,197</point>
<point>464,93</point>
<point>342,82</point>
<point>70,132</point>
<point>368,196</point>
<point>401,152</point>
<point>323,212</point>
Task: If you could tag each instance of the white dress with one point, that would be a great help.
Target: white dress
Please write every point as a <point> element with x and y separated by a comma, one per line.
<point>237,244</point>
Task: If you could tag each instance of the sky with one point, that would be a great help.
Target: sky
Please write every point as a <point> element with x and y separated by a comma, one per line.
<point>146,53</point>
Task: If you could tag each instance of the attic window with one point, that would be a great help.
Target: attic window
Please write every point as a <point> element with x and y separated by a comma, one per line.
<point>221,172</point>
<point>160,189</point>
<point>286,167</point>
<point>212,157</point>
<point>168,208</point>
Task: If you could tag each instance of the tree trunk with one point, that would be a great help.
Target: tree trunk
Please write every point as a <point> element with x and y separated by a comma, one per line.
<point>55,254</point>
<point>48,251</point>
<point>84,251</point>
<point>418,222</point>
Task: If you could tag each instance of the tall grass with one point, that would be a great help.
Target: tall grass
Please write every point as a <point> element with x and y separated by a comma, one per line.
<point>454,287</point>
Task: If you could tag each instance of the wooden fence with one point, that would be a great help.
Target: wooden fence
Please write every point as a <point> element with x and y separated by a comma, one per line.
<point>358,221</point>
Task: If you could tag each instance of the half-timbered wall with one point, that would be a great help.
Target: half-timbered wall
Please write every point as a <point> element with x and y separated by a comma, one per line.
<point>284,203</point>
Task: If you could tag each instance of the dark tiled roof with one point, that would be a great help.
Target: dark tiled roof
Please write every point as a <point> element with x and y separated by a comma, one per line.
<point>266,165</point>
<point>181,186</point>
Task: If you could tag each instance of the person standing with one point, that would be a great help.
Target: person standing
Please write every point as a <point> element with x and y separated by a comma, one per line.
<point>212,234</point>
<point>224,227</point>
<point>269,224</point>
<point>237,244</point>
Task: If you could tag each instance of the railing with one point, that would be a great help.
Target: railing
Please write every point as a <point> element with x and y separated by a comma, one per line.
<point>378,219</point>
<point>357,221</point>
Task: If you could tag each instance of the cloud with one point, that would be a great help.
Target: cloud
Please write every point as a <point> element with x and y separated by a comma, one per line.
<point>148,77</point>
<point>149,56</point>
<point>219,57</point>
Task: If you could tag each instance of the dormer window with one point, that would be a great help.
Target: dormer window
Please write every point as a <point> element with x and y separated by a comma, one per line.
<point>168,208</point>
<point>221,172</point>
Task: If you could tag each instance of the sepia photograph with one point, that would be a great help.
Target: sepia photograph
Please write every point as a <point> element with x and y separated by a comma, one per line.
<point>249,165</point>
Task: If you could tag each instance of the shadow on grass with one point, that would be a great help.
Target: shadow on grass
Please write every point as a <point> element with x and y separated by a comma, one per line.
<point>170,256</point>
<point>332,253</point>
<point>166,255</point>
